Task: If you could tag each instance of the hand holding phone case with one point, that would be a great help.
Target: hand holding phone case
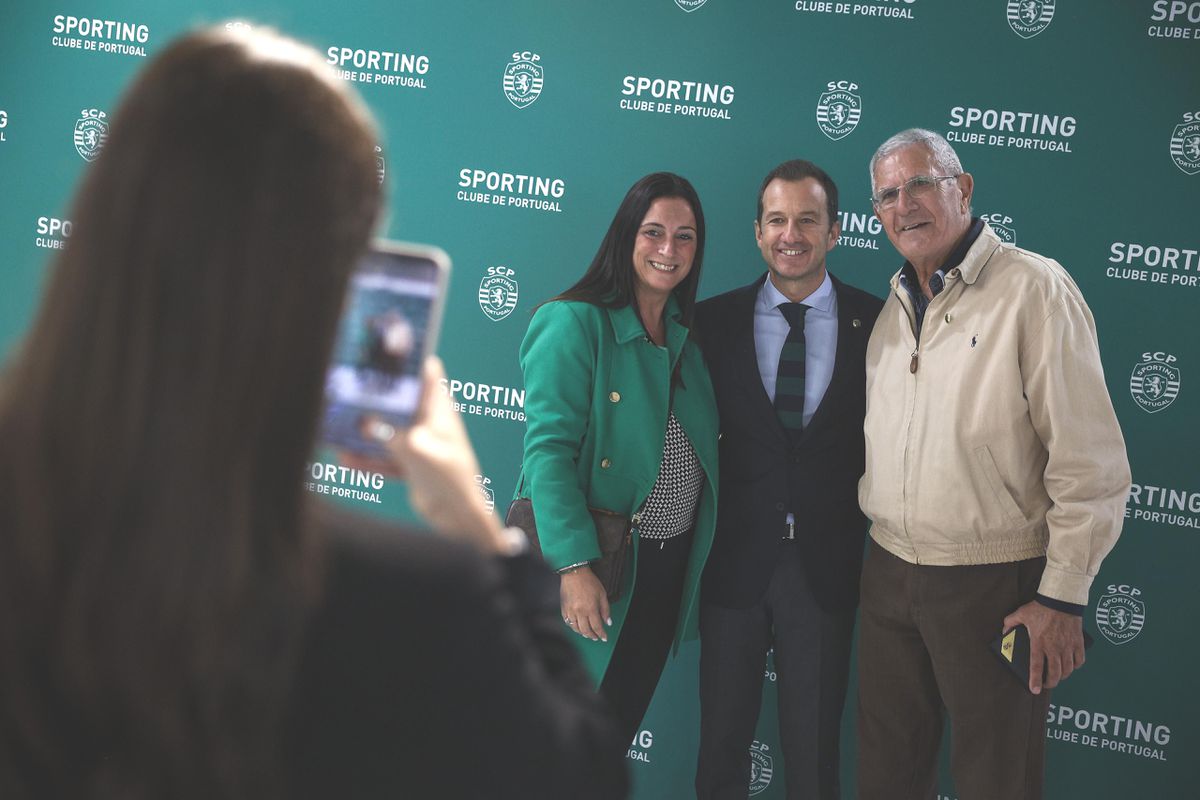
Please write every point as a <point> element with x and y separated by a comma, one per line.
<point>1012,648</point>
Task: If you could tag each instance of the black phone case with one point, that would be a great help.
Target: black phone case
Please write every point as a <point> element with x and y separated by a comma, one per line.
<point>1012,648</point>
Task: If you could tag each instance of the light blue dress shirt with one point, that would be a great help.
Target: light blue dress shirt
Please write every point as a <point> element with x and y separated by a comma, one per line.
<point>820,340</point>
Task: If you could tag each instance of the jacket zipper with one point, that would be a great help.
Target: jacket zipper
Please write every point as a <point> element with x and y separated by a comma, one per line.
<point>912,368</point>
<point>913,365</point>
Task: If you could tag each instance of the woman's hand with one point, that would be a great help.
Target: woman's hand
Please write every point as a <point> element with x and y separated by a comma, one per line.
<point>435,458</point>
<point>585,603</point>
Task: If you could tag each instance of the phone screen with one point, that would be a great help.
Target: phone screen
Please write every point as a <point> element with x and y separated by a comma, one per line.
<point>389,324</point>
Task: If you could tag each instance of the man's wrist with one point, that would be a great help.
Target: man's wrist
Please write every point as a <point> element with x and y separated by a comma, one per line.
<point>1074,609</point>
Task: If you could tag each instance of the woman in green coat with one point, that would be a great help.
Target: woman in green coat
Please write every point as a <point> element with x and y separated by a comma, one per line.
<point>620,415</point>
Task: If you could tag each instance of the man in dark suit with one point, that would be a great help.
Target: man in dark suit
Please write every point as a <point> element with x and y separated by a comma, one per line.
<point>786,357</point>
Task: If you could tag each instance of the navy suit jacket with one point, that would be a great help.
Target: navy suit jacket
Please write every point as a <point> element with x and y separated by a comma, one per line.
<point>764,475</point>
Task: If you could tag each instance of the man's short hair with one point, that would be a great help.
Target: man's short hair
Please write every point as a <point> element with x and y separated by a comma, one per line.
<point>944,157</point>
<point>797,170</point>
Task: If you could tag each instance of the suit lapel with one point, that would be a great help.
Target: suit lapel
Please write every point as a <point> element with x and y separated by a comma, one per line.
<point>743,361</point>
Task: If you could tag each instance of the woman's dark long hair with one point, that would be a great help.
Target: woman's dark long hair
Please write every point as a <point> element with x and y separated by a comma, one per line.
<point>610,281</point>
<point>154,561</point>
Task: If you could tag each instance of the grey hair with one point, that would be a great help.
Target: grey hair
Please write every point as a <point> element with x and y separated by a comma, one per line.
<point>944,157</point>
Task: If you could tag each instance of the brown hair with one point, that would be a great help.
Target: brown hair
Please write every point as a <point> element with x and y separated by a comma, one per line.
<point>154,566</point>
<point>797,170</point>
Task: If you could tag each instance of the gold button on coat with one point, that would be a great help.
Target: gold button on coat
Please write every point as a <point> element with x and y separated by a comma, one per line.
<point>614,396</point>
<point>605,463</point>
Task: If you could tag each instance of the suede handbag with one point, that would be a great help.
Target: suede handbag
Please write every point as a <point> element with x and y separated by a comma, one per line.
<point>613,532</point>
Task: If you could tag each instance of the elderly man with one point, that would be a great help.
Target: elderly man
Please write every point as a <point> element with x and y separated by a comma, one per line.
<point>996,481</point>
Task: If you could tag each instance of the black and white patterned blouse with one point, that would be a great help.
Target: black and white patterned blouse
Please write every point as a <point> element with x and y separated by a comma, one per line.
<point>671,508</point>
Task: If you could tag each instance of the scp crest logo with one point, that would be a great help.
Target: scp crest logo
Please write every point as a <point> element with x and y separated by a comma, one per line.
<point>1120,614</point>
<point>1002,224</point>
<point>839,109</point>
<point>498,293</point>
<point>1028,18</point>
<point>523,78</point>
<point>1154,382</point>
<point>91,132</point>
<point>485,489</point>
<point>1185,143</point>
<point>762,768</point>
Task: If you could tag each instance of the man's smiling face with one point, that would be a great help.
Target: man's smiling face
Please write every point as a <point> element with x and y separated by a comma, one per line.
<point>924,230</point>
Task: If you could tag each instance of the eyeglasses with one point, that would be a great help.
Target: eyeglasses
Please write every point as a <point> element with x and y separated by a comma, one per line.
<point>915,187</point>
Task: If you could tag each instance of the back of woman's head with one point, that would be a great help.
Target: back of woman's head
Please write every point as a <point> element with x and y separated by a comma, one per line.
<point>609,280</point>
<point>157,418</point>
<point>213,239</point>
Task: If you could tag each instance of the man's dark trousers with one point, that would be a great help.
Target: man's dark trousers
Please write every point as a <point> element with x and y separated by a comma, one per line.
<point>761,591</point>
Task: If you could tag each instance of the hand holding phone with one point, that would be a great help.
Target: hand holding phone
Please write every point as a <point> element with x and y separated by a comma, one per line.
<point>389,326</point>
<point>1054,654</point>
<point>433,455</point>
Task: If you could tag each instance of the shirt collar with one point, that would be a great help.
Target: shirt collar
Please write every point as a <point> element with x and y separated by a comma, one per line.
<point>821,299</point>
<point>964,244</point>
<point>937,281</point>
<point>910,282</point>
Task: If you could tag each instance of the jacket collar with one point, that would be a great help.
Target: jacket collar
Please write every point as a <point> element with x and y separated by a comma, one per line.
<point>979,255</point>
<point>972,264</point>
<point>627,326</point>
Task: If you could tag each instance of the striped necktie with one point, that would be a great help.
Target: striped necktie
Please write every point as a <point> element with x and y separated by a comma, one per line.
<point>789,381</point>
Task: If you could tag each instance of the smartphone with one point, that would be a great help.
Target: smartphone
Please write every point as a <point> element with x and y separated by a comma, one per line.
<point>1012,647</point>
<point>390,323</point>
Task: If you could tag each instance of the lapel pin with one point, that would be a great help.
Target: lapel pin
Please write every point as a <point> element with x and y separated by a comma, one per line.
<point>856,323</point>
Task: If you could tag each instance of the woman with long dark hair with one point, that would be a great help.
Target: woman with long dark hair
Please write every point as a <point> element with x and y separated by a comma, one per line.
<point>176,619</point>
<point>621,417</point>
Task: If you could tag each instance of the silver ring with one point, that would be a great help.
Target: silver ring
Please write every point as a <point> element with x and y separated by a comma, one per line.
<point>383,431</point>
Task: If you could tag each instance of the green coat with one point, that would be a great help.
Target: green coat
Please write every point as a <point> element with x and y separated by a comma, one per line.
<point>596,399</point>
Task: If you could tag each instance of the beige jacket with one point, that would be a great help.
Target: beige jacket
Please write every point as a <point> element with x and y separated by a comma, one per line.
<point>1002,445</point>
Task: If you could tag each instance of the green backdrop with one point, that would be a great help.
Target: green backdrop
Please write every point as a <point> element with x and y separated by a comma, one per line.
<point>511,131</point>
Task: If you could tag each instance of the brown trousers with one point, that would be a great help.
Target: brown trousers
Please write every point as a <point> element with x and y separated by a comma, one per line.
<point>923,656</point>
